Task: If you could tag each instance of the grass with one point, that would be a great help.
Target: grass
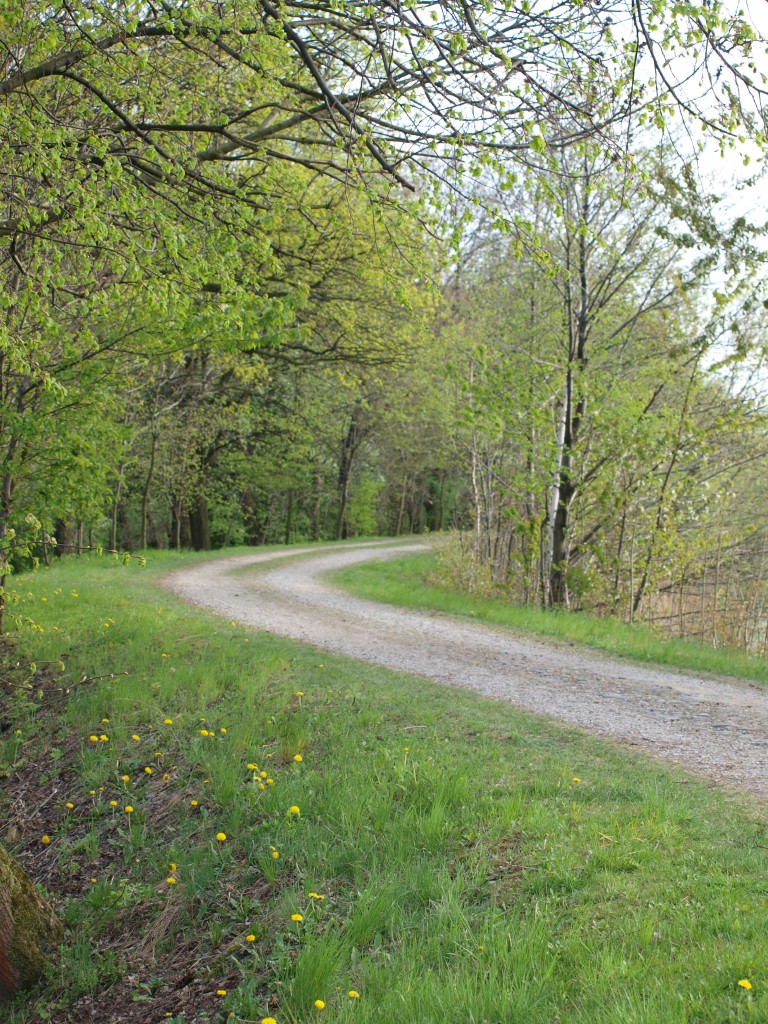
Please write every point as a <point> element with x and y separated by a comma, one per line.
<point>470,863</point>
<point>412,582</point>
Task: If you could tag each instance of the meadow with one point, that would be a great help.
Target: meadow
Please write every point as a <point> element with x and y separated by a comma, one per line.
<point>239,828</point>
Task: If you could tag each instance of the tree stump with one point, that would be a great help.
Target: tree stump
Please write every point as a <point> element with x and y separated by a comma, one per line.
<point>28,929</point>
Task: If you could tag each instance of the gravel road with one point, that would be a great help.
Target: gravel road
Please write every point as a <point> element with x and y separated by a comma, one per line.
<point>717,729</point>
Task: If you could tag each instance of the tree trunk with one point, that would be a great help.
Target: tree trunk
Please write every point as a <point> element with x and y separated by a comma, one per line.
<point>199,525</point>
<point>28,929</point>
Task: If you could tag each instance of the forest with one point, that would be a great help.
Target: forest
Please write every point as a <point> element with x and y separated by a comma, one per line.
<point>287,272</point>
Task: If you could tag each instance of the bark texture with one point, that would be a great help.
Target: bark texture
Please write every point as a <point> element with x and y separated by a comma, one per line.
<point>28,929</point>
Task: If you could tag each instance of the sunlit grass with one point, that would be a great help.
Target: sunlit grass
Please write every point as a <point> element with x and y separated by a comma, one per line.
<point>409,582</point>
<point>453,859</point>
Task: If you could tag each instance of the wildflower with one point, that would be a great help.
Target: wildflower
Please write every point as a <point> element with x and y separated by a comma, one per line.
<point>203,732</point>
<point>262,786</point>
<point>298,758</point>
<point>315,896</point>
<point>104,738</point>
<point>148,770</point>
<point>319,1004</point>
<point>352,994</point>
<point>221,836</point>
<point>250,938</point>
<point>167,721</point>
<point>297,918</point>
<point>166,777</point>
<point>171,880</point>
<point>299,693</point>
<point>575,779</point>
<point>193,803</point>
<point>263,775</point>
<point>94,881</point>
<point>745,984</point>
<point>221,992</point>
<point>113,803</point>
<point>268,1020</point>
<point>275,855</point>
<point>294,810</point>
<point>126,778</point>
<point>173,867</point>
<point>70,807</point>
<point>128,809</point>
<point>223,732</point>
<point>94,739</point>
<point>92,792</point>
<point>135,737</point>
<point>46,839</point>
<point>163,655</point>
<point>253,767</point>
<point>105,721</point>
<point>270,782</point>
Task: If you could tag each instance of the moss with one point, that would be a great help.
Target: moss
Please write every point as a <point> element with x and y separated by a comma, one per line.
<point>28,928</point>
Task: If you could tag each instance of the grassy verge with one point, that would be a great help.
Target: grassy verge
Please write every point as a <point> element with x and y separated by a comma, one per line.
<point>404,582</point>
<point>308,830</point>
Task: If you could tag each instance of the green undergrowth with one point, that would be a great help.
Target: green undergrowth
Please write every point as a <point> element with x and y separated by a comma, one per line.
<point>448,859</point>
<point>413,582</point>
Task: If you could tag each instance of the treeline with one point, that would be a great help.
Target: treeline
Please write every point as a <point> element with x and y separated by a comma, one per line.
<point>277,273</point>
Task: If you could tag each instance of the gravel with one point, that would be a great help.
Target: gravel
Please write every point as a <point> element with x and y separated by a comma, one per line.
<point>712,727</point>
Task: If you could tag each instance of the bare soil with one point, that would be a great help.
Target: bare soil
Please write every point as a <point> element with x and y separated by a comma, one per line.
<point>713,727</point>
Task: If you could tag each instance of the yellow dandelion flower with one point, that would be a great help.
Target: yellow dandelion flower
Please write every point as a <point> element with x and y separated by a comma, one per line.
<point>221,836</point>
<point>94,739</point>
<point>125,778</point>
<point>163,655</point>
<point>105,721</point>
<point>575,779</point>
<point>275,855</point>
<point>104,738</point>
<point>299,693</point>
<point>223,732</point>
<point>296,917</point>
<point>253,767</point>
<point>193,803</point>
<point>171,880</point>
<point>270,782</point>
<point>263,775</point>
<point>298,758</point>
<point>203,732</point>
<point>113,803</point>
<point>221,992</point>
<point>319,1004</point>
<point>70,807</point>
<point>250,938</point>
<point>173,866</point>
<point>45,840</point>
<point>315,896</point>
<point>268,1020</point>
<point>294,810</point>
<point>92,792</point>
<point>128,809</point>
<point>745,984</point>
<point>135,737</point>
<point>167,721</point>
<point>352,994</point>
<point>262,786</point>
<point>148,770</point>
<point>166,777</point>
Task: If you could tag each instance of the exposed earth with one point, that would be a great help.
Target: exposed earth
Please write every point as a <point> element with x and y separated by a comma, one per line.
<point>712,727</point>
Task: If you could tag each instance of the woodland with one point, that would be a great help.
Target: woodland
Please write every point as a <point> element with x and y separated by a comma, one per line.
<point>294,271</point>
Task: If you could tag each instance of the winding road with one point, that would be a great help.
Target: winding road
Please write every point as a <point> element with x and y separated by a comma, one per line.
<point>714,728</point>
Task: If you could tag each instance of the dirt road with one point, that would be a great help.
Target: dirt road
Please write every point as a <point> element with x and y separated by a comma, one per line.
<point>718,729</point>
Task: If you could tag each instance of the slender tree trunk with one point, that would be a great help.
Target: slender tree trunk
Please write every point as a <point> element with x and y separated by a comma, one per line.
<point>145,493</point>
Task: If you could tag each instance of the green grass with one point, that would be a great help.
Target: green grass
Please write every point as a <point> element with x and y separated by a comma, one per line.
<point>409,583</point>
<point>478,865</point>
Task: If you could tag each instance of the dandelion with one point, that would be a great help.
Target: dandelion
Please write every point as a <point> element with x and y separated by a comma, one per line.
<point>299,693</point>
<point>94,739</point>
<point>135,737</point>
<point>70,807</point>
<point>575,779</point>
<point>223,732</point>
<point>319,1004</point>
<point>167,721</point>
<point>46,839</point>
<point>171,880</point>
<point>166,777</point>
<point>113,803</point>
<point>163,655</point>
<point>221,836</point>
<point>297,918</point>
<point>268,1020</point>
<point>193,803</point>
<point>275,855</point>
<point>744,983</point>
<point>262,786</point>
<point>105,721</point>
<point>294,810</point>
<point>104,738</point>
<point>270,782</point>
<point>173,866</point>
<point>125,778</point>
<point>352,994</point>
<point>203,732</point>
<point>221,992</point>
<point>315,896</point>
<point>250,938</point>
<point>253,767</point>
<point>298,758</point>
<point>128,809</point>
<point>263,775</point>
